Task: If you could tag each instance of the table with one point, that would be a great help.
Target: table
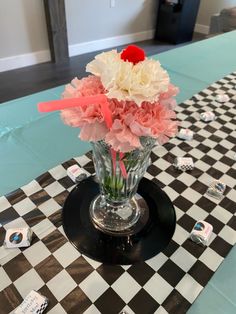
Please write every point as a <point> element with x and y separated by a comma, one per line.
<point>22,132</point>
<point>167,282</point>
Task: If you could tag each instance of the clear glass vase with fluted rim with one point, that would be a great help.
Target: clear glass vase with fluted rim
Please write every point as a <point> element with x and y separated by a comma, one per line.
<point>118,209</point>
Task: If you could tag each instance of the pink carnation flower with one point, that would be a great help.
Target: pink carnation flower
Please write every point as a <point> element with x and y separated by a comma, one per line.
<point>169,103</point>
<point>87,86</point>
<point>132,122</point>
<point>154,120</point>
<point>167,99</point>
<point>121,138</point>
<point>171,92</point>
<point>90,119</point>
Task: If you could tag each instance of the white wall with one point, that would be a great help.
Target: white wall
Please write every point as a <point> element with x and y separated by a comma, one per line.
<point>94,19</point>
<point>22,27</point>
<point>94,24</point>
<point>207,9</point>
<point>91,24</point>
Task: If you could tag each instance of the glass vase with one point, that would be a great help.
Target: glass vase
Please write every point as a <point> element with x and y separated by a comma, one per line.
<point>118,208</point>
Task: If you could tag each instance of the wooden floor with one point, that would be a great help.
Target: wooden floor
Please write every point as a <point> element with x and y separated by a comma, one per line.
<point>28,80</point>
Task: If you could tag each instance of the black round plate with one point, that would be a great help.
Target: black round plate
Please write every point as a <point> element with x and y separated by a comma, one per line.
<point>148,242</point>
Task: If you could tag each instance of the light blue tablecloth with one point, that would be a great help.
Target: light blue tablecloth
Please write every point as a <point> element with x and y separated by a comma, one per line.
<point>31,143</point>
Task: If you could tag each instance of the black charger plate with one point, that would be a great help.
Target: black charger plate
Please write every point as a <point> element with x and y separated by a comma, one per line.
<point>105,248</point>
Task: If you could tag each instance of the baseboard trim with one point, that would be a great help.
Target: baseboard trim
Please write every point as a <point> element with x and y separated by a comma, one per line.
<point>19,61</point>
<point>27,59</point>
<point>200,28</point>
<point>105,43</point>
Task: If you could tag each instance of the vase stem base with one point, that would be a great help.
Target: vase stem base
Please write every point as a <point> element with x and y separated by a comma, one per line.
<point>119,219</point>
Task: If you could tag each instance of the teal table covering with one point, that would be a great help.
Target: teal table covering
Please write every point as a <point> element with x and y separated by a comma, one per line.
<point>31,142</point>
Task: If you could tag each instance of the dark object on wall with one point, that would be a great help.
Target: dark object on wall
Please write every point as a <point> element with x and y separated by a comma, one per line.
<point>176,20</point>
<point>57,32</point>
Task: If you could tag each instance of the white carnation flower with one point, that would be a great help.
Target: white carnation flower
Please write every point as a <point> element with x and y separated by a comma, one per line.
<point>123,80</point>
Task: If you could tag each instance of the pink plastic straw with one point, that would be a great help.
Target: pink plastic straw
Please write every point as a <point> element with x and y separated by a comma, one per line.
<point>70,103</point>
<point>113,155</point>
<point>122,166</point>
<point>66,103</point>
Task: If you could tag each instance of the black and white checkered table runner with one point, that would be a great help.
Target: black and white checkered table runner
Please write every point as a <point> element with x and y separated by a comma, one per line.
<point>167,283</point>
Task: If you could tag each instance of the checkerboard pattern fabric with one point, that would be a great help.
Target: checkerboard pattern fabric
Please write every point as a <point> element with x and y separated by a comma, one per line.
<point>168,282</point>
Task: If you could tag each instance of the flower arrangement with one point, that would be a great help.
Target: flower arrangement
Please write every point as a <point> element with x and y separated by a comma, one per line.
<point>123,108</point>
<point>127,97</point>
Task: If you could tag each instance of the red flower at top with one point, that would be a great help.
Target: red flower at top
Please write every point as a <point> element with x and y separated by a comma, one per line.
<point>133,54</point>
